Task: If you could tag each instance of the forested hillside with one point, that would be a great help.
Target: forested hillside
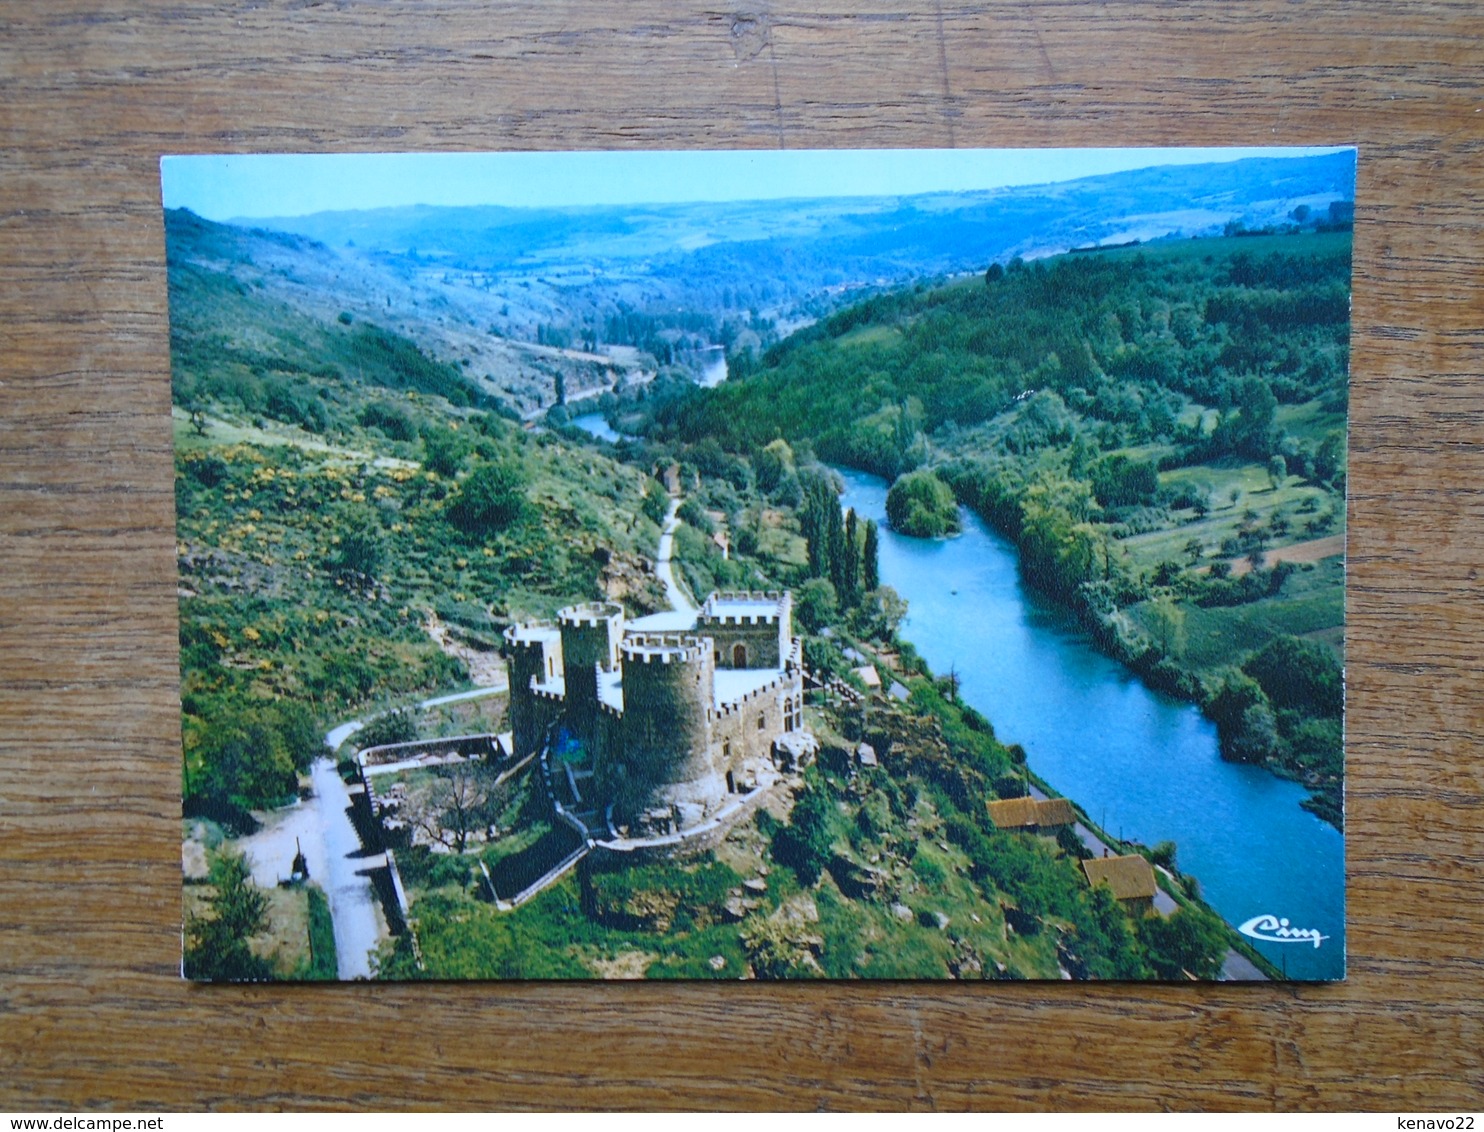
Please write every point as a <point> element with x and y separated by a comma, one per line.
<point>1161,429</point>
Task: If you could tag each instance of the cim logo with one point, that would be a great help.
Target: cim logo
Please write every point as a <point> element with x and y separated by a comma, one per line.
<point>1272,929</point>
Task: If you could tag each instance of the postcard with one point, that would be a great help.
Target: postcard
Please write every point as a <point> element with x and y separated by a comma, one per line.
<point>762,565</point>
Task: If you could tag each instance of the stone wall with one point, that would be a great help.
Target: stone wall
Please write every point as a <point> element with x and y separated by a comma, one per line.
<point>735,727</point>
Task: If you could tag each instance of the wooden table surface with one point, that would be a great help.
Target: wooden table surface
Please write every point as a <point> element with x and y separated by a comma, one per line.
<point>92,92</point>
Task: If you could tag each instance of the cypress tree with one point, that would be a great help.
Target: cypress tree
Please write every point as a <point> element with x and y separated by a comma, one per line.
<point>819,518</point>
<point>835,541</point>
<point>850,566</point>
<point>870,565</point>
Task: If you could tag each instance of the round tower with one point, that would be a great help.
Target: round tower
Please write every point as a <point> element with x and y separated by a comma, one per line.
<point>667,758</point>
<point>591,633</point>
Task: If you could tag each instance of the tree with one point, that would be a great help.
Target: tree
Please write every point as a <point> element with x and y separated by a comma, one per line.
<point>1166,621</point>
<point>1329,460</point>
<point>771,463</point>
<point>399,726</point>
<point>1299,674</point>
<point>835,554</point>
<point>1245,724</point>
<point>1252,431</point>
<point>1060,549</point>
<point>1163,854</point>
<point>457,805</point>
<point>870,558</point>
<point>848,563</point>
<point>1109,948</point>
<point>816,604</point>
<point>656,501</point>
<point>818,516</point>
<point>922,505</point>
<point>216,944</point>
<point>1277,470</point>
<point>1254,738</point>
<point>1120,482</point>
<point>1190,941</point>
<point>245,762</point>
<point>491,499</point>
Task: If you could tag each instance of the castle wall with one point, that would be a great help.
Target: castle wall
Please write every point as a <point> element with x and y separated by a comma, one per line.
<point>746,729</point>
<point>533,653</point>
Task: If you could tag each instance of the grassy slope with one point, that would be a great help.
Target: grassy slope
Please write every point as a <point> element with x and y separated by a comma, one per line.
<point>267,493</point>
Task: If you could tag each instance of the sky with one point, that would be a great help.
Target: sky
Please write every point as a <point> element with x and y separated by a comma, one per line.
<point>227,187</point>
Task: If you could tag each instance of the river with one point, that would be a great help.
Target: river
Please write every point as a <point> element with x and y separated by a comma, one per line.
<point>595,424</point>
<point>1144,766</point>
<point>714,369</point>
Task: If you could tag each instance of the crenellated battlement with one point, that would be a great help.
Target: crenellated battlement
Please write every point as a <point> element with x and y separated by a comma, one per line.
<point>795,658</point>
<point>745,607</point>
<point>664,648</point>
<point>590,614</point>
<point>784,682</point>
<point>530,634</point>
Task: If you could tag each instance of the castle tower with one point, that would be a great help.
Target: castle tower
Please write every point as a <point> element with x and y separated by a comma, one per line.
<point>533,655</point>
<point>591,633</point>
<point>667,758</point>
<point>750,629</point>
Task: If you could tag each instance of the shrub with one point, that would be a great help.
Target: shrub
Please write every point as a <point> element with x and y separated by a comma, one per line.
<point>392,420</point>
<point>805,844</point>
<point>491,499</point>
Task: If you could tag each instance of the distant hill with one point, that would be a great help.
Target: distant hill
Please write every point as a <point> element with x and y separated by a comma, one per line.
<point>268,297</point>
<point>538,304</point>
<point>790,248</point>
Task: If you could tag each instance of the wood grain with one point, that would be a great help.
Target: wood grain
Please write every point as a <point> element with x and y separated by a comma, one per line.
<point>92,92</point>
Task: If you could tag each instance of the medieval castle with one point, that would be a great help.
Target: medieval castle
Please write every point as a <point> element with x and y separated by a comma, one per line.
<point>660,725</point>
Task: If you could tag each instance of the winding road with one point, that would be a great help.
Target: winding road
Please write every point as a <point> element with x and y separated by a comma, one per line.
<point>327,832</point>
<point>347,866</point>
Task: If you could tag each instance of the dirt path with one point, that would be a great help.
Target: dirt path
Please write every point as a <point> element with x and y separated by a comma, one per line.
<point>486,666</point>
<point>679,599</point>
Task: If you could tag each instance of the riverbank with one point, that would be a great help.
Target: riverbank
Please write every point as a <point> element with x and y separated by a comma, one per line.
<point>1143,765</point>
<point>1144,626</point>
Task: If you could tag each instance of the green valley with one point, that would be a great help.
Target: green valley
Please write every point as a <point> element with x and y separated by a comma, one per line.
<point>1161,430</point>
